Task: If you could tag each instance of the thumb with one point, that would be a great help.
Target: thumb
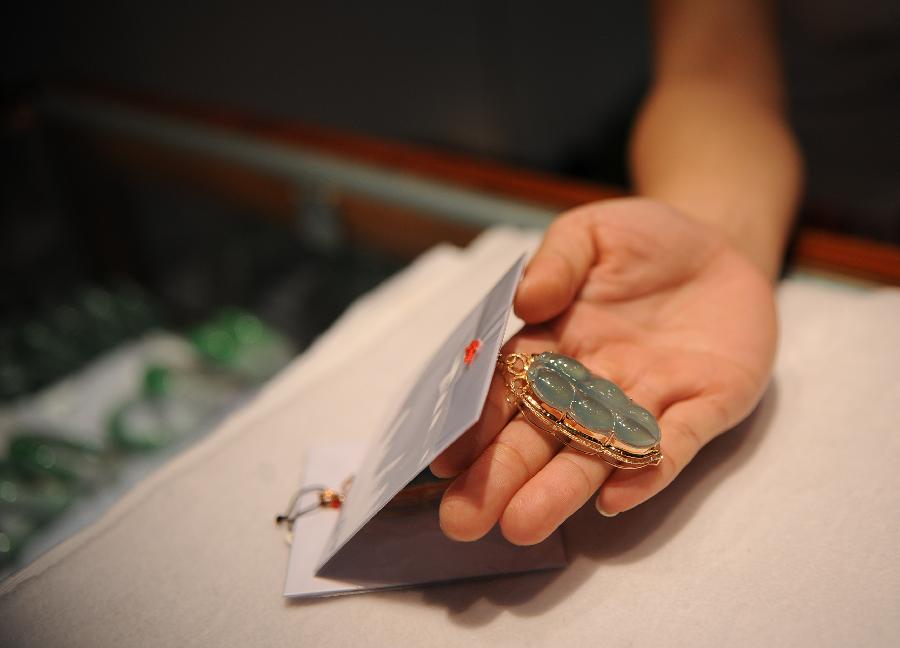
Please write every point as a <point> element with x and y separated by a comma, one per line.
<point>558,269</point>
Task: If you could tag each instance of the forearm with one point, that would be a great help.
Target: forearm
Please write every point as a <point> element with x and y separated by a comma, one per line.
<point>722,159</point>
<point>712,139</point>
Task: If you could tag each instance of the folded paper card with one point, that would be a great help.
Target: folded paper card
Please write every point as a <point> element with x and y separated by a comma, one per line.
<point>362,546</point>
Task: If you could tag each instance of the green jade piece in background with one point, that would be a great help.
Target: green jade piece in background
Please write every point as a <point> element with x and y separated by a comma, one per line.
<point>40,499</point>
<point>77,464</point>
<point>173,405</point>
<point>242,344</point>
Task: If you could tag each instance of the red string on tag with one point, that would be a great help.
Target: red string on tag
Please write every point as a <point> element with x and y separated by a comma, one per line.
<point>471,351</point>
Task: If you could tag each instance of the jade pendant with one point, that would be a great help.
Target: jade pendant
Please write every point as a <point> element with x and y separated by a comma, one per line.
<point>591,401</point>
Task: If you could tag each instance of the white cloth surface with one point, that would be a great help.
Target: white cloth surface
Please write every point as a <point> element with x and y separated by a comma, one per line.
<point>782,532</point>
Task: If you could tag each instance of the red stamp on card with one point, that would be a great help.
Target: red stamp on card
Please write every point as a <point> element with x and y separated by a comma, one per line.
<point>471,351</point>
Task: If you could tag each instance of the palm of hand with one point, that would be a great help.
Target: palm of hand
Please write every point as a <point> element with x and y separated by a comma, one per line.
<point>656,303</point>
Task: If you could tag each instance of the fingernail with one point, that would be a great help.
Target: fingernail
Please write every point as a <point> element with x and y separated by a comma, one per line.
<point>604,513</point>
<point>443,472</point>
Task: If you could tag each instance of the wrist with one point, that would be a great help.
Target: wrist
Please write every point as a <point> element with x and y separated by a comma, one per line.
<point>725,160</point>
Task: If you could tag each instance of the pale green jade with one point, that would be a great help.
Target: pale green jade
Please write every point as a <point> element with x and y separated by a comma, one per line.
<point>593,402</point>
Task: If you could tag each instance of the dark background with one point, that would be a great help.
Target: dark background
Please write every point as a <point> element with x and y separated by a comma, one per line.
<point>525,82</point>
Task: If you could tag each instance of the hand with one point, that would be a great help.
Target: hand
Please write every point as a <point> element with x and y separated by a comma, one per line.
<point>659,304</point>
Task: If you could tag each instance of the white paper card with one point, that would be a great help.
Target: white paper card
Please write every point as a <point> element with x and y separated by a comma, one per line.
<point>441,404</point>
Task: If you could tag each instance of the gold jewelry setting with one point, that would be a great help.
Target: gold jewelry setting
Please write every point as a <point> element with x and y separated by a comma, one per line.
<point>557,394</point>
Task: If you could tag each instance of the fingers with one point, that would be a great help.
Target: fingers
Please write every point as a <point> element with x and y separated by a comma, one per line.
<point>555,493</point>
<point>518,479</point>
<point>514,478</point>
<point>475,500</point>
<point>558,269</point>
<point>686,427</point>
